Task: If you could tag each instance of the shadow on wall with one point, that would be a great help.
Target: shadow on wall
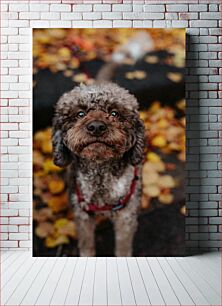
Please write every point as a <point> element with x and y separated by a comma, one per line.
<point>193,154</point>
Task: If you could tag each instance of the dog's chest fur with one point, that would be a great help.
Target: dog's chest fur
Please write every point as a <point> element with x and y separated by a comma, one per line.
<point>103,187</point>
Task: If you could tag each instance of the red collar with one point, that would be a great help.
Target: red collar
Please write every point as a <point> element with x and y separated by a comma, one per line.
<point>92,207</point>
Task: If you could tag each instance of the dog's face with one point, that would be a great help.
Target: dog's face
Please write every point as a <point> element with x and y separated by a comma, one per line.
<point>96,122</point>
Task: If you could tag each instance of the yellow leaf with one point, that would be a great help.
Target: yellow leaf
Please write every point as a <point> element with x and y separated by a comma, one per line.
<point>175,77</point>
<point>159,141</point>
<point>183,210</point>
<point>151,191</point>
<point>166,181</point>
<point>44,229</point>
<point>56,186</point>
<point>150,178</point>
<point>151,59</point>
<point>154,107</point>
<point>61,222</point>
<point>140,74</point>
<point>80,77</point>
<point>165,198</point>
<point>153,157</point>
<point>52,242</point>
<point>47,147</point>
<point>49,166</point>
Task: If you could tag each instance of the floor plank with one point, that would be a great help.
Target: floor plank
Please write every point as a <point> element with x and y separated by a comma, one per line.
<point>113,285</point>
<point>182,295</point>
<point>4,255</point>
<point>13,269</point>
<point>17,278</point>
<point>212,260</point>
<point>86,294</point>
<point>190,286</point>
<point>39,282</point>
<point>208,292</point>
<point>152,287</point>
<point>73,294</point>
<point>100,283</point>
<point>47,292</point>
<point>18,294</point>
<point>166,289</point>
<point>126,289</point>
<point>62,287</point>
<point>11,261</point>
<point>206,272</point>
<point>137,281</point>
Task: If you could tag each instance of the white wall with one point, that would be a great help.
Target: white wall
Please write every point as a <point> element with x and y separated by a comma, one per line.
<point>202,20</point>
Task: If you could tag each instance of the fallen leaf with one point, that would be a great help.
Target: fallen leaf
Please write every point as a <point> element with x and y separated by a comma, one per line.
<point>175,77</point>
<point>151,59</point>
<point>166,181</point>
<point>151,190</point>
<point>56,186</point>
<point>165,198</point>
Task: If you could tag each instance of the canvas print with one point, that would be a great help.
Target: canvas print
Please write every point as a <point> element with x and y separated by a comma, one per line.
<point>109,143</point>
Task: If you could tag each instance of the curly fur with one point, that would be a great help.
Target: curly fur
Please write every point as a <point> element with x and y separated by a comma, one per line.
<point>102,165</point>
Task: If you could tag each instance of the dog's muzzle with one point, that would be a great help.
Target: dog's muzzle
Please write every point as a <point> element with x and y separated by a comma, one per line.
<point>96,128</point>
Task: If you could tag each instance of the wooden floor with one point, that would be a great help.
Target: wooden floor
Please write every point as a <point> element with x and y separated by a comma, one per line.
<point>110,281</point>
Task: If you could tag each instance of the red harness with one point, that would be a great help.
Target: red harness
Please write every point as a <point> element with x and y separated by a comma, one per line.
<point>92,207</point>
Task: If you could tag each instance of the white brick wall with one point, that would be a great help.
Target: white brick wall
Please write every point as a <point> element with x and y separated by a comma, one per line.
<point>201,17</point>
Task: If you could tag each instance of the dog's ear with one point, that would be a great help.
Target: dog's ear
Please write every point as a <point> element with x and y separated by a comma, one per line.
<point>61,154</point>
<point>136,153</point>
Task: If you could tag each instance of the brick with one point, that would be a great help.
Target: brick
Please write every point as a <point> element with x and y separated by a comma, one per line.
<point>133,15</point>
<point>18,23</point>
<point>177,8</point>
<point>60,7</point>
<point>210,15</point>
<point>18,220</point>
<point>122,23</point>
<point>112,15</point>
<point>39,7</point>
<point>102,23</point>
<point>18,7</point>
<point>9,126</point>
<point>60,24</point>
<point>9,244</point>
<point>18,236</point>
<point>8,212</point>
<point>154,8</point>
<point>203,23</point>
<point>171,16</point>
<point>51,16</point>
<point>24,229</point>
<point>25,244</point>
<point>38,24</point>
<point>82,8</point>
<point>71,16</point>
<point>180,23</point>
<point>122,7</point>
<point>82,24</point>
<point>92,15</point>
<point>29,15</point>
<point>137,7</point>
<point>198,7</point>
<point>102,7</point>
<point>213,7</point>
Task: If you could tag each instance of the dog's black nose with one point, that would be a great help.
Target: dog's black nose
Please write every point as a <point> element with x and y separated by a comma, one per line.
<point>96,128</point>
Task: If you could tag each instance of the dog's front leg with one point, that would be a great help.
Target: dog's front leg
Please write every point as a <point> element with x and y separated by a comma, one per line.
<point>125,225</point>
<point>86,230</point>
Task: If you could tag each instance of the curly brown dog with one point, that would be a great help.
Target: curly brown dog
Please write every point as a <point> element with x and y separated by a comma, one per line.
<point>98,134</point>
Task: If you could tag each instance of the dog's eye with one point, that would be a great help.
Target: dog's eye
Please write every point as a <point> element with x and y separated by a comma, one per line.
<point>81,114</point>
<point>114,114</point>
